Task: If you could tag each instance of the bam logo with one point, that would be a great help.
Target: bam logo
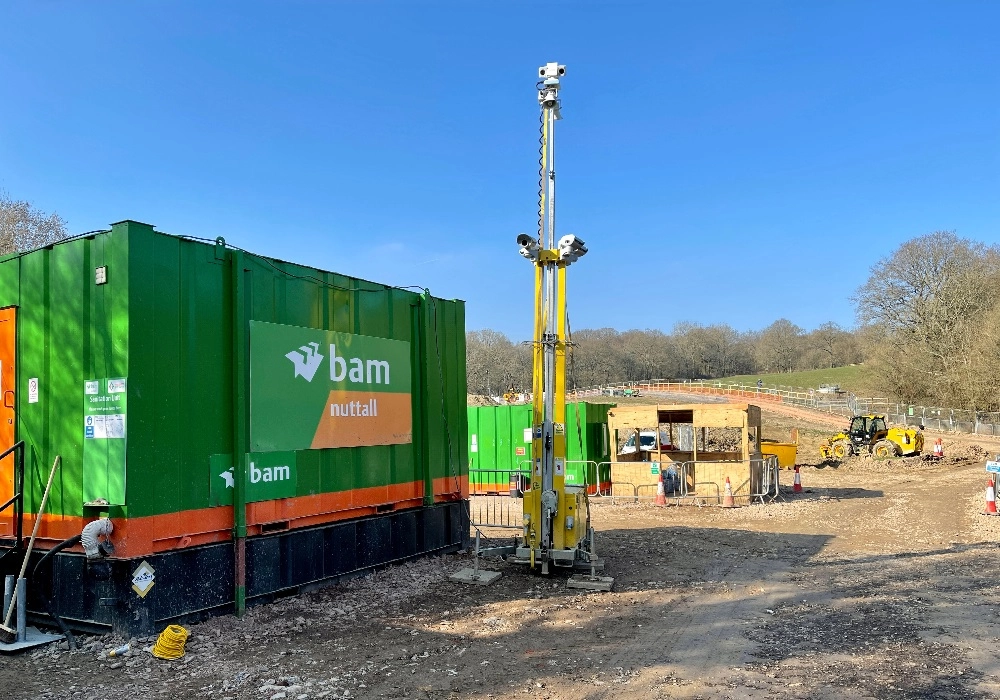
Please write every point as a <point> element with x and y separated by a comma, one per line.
<point>377,369</point>
<point>278,473</point>
<point>306,362</point>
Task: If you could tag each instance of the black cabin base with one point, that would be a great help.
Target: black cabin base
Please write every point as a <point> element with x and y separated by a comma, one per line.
<point>197,582</point>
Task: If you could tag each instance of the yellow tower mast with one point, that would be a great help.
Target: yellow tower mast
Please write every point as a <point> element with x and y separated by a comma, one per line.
<point>556,519</point>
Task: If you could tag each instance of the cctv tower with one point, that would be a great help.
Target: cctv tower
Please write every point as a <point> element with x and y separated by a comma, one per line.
<point>556,516</point>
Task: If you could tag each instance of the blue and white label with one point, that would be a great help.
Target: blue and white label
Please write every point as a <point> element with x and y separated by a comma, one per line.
<point>111,427</point>
<point>993,467</point>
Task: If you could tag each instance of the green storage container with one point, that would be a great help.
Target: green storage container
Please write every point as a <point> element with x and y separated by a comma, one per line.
<point>198,393</point>
<point>500,443</point>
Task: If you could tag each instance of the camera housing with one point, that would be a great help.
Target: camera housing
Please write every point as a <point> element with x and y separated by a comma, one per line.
<point>551,70</point>
<point>529,246</point>
<point>571,248</point>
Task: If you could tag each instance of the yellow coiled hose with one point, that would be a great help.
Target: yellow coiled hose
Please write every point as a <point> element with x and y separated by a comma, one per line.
<point>170,644</point>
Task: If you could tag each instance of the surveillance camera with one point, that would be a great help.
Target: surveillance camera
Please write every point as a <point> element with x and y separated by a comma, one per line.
<point>571,248</point>
<point>551,70</point>
<point>529,246</point>
<point>571,241</point>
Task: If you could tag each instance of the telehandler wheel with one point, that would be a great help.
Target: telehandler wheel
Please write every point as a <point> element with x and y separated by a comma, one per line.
<point>842,449</point>
<point>885,449</point>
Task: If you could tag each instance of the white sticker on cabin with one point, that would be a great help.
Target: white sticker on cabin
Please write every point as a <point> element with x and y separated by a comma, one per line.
<point>33,390</point>
<point>143,579</point>
<point>92,387</point>
<point>527,434</point>
<point>474,447</point>
<point>111,427</point>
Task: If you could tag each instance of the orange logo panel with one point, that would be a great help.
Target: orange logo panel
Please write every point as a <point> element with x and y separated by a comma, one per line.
<point>358,418</point>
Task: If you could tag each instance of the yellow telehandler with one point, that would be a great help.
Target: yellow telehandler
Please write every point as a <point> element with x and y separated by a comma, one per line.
<point>870,435</point>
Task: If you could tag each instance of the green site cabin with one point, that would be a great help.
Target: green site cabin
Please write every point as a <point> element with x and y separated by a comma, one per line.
<point>163,324</point>
<point>499,442</point>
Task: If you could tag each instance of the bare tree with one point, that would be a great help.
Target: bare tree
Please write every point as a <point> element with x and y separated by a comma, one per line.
<point>494,364</point>
<point>23,227</point>
<point>981,370</point>
<point>598,357</point>
<point>779,346</point>
<point>829,345</point>
<point>924,307</point>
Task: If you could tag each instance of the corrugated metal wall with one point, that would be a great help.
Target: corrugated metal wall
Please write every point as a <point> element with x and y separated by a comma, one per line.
<point>164,321</point>
<point>181,364</point>
<point>499,431</point>
<point>68,329</point>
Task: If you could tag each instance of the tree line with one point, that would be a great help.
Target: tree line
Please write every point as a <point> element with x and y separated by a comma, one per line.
<point>928,329</point>
<point>928,332</point>
<point>690,351</point>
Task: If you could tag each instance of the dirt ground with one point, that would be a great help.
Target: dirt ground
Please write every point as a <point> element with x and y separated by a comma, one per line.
<point>876,582</point>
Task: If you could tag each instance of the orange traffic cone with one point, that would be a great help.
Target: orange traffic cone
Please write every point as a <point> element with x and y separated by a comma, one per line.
<point>661,496</point>
<point>938,448</point>
<point>991,498</point>
<point>797,484</point>
<point>727,497</point>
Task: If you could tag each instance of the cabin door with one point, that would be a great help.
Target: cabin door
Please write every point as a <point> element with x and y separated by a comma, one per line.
<point>8,379</point>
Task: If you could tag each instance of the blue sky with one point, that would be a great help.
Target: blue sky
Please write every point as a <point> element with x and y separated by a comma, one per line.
<point>726,162</point>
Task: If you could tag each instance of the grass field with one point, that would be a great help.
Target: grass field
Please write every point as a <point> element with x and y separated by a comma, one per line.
<point>853,378</point>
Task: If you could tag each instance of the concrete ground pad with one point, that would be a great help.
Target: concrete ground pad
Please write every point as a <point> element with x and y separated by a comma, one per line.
<point>597,583</point>
<point>478,578</point>
<point>33,638</point>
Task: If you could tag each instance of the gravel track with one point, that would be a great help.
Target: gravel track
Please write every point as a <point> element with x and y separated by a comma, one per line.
<point>876,582</point>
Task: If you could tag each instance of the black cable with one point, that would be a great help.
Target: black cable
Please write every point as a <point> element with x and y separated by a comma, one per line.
<point>47,599</point>
<point>444,408</point>
<point>267,260</point>
<point>67,239</point>
<point>541,174</point>
<point>572,377</point>
<point>447,431</point>
<point>307,278</point>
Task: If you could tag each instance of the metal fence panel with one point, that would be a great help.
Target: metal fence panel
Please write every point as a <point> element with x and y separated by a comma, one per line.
<point>494,494</point>
<point>935,417</point>
<point>492,497</point>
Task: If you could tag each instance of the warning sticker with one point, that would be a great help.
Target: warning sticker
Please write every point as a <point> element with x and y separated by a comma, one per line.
<point>519,451</point>
<point>143,579</point>
<point>108,427</point>
<point>105,432</point>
